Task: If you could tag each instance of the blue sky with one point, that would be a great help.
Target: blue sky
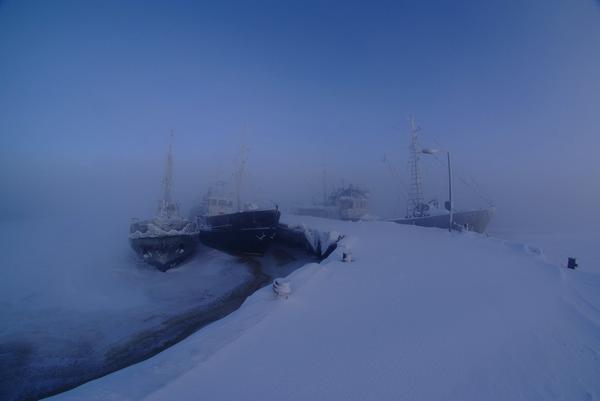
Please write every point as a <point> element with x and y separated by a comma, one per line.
<point>89,91</point>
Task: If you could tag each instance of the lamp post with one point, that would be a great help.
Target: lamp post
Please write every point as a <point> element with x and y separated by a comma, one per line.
<point>433,152</point>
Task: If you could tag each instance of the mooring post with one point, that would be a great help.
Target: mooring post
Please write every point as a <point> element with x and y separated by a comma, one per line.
<point>282,288</point>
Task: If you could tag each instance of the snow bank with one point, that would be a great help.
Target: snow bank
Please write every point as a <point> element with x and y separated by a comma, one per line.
<point>420,314</point>
<point>321,240</point>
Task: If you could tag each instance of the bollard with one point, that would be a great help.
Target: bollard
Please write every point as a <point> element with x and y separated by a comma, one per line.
<point>282,287</point>
<point>572,263</point>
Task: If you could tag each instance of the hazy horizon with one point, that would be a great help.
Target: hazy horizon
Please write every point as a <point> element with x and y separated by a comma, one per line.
<point>89,92</point>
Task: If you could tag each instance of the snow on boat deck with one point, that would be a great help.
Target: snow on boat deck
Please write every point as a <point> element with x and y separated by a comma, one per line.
<point>421,314</point>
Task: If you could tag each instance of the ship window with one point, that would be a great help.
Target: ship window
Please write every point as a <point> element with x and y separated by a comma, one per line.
<point>213,202</point>
<point>222,202</point>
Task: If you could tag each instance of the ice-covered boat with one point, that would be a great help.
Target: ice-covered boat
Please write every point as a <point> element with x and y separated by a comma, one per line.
<point>346,203</point>
<point>167,239</point>
<point>230,227</point>
<point>247,232</point>
<point>430,214</point>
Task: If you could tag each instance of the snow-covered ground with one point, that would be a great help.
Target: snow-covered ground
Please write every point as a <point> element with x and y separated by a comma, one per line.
<point>420,314</point>
<point>558,243</point>
<point>76,303</point>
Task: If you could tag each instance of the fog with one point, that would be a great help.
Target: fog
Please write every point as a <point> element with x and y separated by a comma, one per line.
<point>89,93</point>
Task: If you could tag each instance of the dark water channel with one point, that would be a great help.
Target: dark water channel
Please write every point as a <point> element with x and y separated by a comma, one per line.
<point>69,364</point>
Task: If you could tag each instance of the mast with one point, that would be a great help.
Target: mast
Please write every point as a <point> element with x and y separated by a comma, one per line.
<point>168,179</point>
<point>238,175</point>
<point>415,190</point>
<point>166,206</point>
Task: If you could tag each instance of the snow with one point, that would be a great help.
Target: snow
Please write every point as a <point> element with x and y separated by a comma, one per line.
<point>319,240</point>
<point>419,314</point>
<point>282,287</point>
<point>558,243</point>
<point>160,227</point>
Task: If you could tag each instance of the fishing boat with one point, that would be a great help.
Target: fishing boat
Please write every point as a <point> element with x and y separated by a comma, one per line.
<point>345,203</point>
<point>247,232</point>
<point>168,239</point>
<point>227,225</point>
<point>430,214</point>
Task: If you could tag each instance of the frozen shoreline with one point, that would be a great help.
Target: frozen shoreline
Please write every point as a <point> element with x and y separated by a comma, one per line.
<point>420,314</point>
<point>400,276</point>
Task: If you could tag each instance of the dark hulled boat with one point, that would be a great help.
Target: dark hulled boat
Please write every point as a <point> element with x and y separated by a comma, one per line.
<point>231,228</point>
<point>163,244</point>
<point>247,232</point>
<point>167,239</point>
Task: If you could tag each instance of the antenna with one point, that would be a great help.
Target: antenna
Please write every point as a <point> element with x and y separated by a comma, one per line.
<point>415,190</point>
<point>166,206</point>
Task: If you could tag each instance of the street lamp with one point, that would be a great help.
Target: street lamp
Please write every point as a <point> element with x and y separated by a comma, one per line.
<point>429,151</point>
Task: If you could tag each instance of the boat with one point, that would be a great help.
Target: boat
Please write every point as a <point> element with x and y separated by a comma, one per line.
<point>168,239</point>
<point>466,220</point>
<point>243,233</point>
<point>430,214</point>
<point>229,226</point>
<point>345,203</point>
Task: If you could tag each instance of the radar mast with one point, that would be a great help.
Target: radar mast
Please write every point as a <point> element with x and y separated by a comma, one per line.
<point>415,190</point>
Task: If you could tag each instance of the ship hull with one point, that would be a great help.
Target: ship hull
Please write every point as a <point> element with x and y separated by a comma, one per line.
<point>242,233</point>
<point>471,220</point>
<point>165,252</point>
